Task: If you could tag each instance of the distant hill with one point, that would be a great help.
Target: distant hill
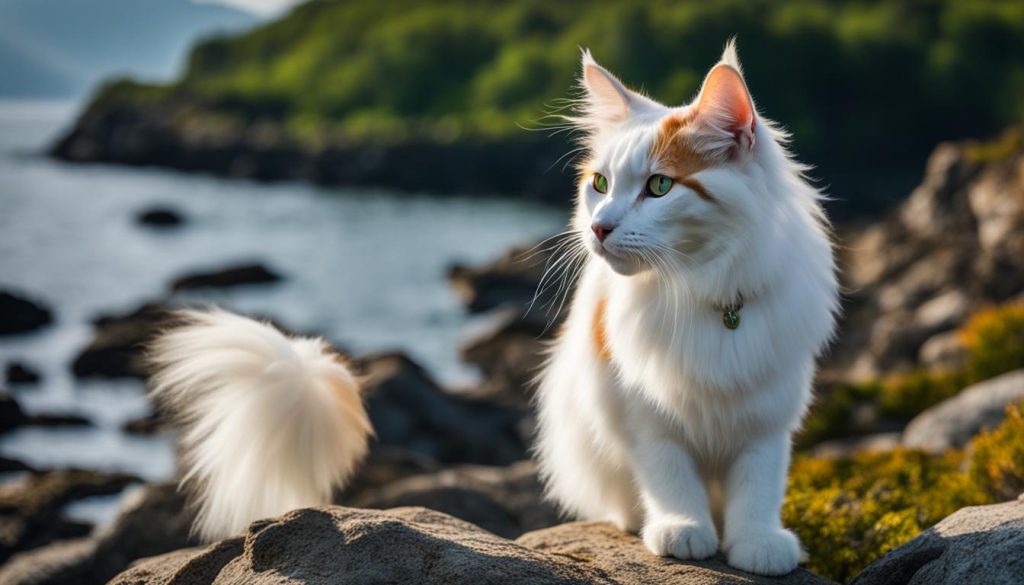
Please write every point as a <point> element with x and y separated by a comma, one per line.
<point>63,47</point>
<point>433,95</point>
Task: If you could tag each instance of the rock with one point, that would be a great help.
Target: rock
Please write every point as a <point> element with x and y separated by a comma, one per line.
<point>849,446</point>
<point>152,520</point>
<point>623,559</point>
<point>409,410</point>
<point>944,351</point>
<point>384,466</point>
<point>117,344</point>
<point>507,501</point>
<point>160,217</point>
<point>953,422</point>
<point>8,465</point>
<point>226,277</point>
<point>979,544</point>
<point>145,426</point>
<point>512,280</point>
<point>413,545</point>
<point>954,246</point>
<point>11,415</point>
<point>19,373</point>
<point>509,351</point>
<point>31,506</point>
<point>20,315</point>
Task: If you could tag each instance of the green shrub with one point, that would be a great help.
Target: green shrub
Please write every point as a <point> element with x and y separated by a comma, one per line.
<point>851,510</point>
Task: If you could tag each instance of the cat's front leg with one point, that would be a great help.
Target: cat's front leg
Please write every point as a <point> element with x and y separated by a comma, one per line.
<point>755,487</point>
<point>678,519</point>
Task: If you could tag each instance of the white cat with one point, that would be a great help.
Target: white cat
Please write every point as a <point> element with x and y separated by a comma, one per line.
<point>661,387</point>
<point>686,362</point>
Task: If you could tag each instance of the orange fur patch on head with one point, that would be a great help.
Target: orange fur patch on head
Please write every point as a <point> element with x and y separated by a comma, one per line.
<point>677,156</point>
<point>599,333</point>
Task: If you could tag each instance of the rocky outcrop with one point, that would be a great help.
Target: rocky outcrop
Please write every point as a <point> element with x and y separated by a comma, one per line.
<point>409,410</point>
<point>415,545</point>
<point>243,274</point>
<point>955,421</point>
<point>507,501</point>
<point>115,350</point>
<point>21,315</point>
<point>160,217</point>
<point>152,520</point>
<point>31,506</point>
<point>982,544</point>
<point>955,245</point>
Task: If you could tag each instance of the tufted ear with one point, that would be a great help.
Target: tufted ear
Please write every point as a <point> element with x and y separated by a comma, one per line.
<point>725,109</point>
<point>607,101</point>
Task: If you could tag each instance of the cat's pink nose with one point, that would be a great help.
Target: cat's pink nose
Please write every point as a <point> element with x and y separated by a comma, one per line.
<point>602,230</point>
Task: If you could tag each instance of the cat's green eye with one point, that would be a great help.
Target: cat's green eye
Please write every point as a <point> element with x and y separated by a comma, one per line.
<point>600,183</point>
<point>658,185</point>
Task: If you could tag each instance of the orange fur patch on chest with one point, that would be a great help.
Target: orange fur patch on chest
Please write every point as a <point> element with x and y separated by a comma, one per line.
<point>598,332</point>
<point>677,156</point>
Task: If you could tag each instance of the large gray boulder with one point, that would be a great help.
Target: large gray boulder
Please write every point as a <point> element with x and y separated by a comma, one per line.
<point>953,422</point>
<point>981,544</point>
<point>332,545</point>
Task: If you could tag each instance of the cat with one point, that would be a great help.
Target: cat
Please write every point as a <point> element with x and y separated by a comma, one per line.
<point>684,366</point>
<point>669,399</point>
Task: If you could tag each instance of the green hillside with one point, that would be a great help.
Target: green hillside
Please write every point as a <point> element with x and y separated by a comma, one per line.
<point>866,86</point>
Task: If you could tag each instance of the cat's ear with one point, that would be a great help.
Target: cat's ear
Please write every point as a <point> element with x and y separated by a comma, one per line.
<point>606,100</point>
<point>724,107</point>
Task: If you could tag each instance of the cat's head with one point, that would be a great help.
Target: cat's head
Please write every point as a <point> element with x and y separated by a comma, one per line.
<point>662,185</point>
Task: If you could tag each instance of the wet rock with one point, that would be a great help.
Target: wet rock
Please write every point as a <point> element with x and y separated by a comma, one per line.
<point>507,501</point>
<point>226,277</point>
<point>980,544</point>
<point>953,422</point>
<point>31,506</point>
<point>19,373</point>
<point>414,545</point>
<point>160,217</point>
<point>21,315</point>
<point>409,410</point>
<point>118,342</point>
<point>152,520</point>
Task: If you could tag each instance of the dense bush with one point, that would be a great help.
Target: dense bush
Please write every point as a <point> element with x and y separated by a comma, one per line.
<point>867,85</point>
<point>994,342</point>
<point>851,510</point>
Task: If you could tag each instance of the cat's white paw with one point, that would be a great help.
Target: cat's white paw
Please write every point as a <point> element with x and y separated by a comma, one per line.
<point>765,553</point>
<point>680,538</point>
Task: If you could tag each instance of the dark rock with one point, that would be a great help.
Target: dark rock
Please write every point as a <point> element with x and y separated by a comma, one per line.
<point>507,501</point>
<point>227,277</point>
<point>20,315</point>
<point>8,465</point>
<point>118,342</point>
<point>509,350</point>
<point>11,415</point>
<point>58,420</point>
<point>412,545</point>
<point>980,544</point>
<point>145,426</point>
<point>19,373</point>
<point>409,410</point>
<point>31,506</point>
<point>153,520</point>
<point>955,421</point>
<point>384,466</point>
<point>160,217</point>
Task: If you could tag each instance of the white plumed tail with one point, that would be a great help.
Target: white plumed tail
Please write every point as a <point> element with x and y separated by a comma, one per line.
<point>270,423</point>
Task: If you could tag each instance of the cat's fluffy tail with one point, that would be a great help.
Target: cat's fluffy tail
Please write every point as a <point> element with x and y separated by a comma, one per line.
<point>270,422</point>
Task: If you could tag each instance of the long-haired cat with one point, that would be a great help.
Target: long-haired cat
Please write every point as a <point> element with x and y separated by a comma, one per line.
<point>685,365</point>
<point>683,368</point>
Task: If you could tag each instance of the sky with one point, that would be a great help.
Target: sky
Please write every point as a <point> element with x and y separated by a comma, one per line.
<point>261,7</point>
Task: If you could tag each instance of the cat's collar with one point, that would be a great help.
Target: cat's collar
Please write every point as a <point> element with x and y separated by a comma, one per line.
<point>730,311</point>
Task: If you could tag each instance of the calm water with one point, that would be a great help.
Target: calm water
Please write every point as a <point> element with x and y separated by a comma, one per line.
<point>364,268</point>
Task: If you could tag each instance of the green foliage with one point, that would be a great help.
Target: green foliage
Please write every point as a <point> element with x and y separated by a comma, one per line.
<point>851,510</point>
<point>868,80</point>
<point>994,343</point>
